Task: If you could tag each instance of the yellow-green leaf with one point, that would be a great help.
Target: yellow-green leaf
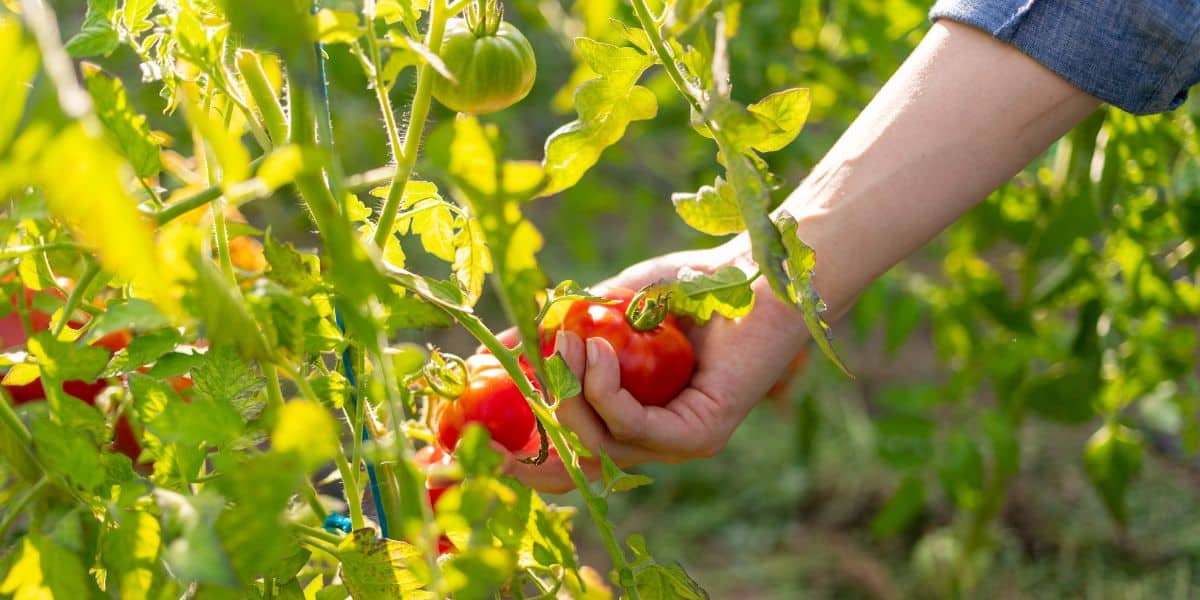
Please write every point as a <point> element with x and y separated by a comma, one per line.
<point>128,129</point>
<point>20,67</point>
<point>712,210</point>
<point>307,429</point>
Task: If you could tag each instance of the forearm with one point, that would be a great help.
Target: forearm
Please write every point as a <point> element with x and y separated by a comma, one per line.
<point>957,120</point>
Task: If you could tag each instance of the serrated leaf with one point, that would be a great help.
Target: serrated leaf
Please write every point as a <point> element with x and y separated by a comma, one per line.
<point>712,209</point>
<point>379,568</point>
<point>67,453</point>
<point>606,105</point>
<point>472,259</point>
<point>97,36</point>
<point>410,312</point>
<point>799,265</point>
<point>562,382</point>
<point>225,379</point>
<point>765,126</point>
<point>258,540</point>
<point>135,15</point>
<point>296,271</point>
<point>132,314</point>
<point>194,551</point>
<point>130,553</point>
<point>142,350</point>
<point>478,573</point>
<point>127,128</point>
<point>617,480</point>
<point>222,310</point>
<point>1113,458</point>
<point>65,361</point>
<point>725,292</point>
<point>40,569</point>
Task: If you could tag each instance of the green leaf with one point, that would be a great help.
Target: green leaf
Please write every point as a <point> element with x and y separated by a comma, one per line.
<point>40,568</point>
<point>296,271</point>
<point>606,105</point>
<point>375,567</point>
<point>127,128</point>
<point>616,480</point>
<point>66,452</point>
<point>225,379</point>
<point>143,349</point>
<point>1113,458</point>
<point>765,126</point>
<point>64,361</point>
<point>253,529</point>
<point>135,15</point>
<point>562,382</point>
<point>98,36</point>
<point>190,424</point>
<point>281,26</point>
<point>901,509</point>
<point>131,552</point>
<point>712,210</point>
<point>655,581</point>
<point>725,292</point>
<point>799,265</point>
<point>131,313</point>
<point>222,310</point>
<point>1065,392</point>
<point>20,68</point>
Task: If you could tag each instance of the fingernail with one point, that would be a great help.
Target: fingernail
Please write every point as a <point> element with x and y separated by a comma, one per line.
<point>592,351</point>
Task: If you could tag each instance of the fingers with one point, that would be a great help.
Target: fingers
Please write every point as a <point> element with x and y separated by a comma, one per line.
<point>575,413</point>
<point>690,426</point>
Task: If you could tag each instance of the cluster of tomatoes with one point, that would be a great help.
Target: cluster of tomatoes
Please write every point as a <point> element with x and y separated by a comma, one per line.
<point>14,335</point>
<point>655,366</point>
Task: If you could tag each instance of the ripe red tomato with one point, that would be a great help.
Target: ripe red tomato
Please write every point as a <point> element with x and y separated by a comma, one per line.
<point>655,365</point>
<point>492,400</point>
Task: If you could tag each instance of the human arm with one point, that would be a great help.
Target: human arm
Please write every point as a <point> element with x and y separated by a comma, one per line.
<point>958,119</point>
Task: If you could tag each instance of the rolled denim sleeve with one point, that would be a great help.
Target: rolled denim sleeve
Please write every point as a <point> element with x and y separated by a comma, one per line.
<point>1139,55</point>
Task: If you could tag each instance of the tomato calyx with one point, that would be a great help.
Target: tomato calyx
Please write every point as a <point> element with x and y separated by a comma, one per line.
<point>648,308</point>
<point>446,375</point>
<point>484,17</point>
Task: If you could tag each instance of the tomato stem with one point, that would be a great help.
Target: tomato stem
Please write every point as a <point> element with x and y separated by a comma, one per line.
<point>416,126</point>
<point>263,95</point>
<point>90,270</point>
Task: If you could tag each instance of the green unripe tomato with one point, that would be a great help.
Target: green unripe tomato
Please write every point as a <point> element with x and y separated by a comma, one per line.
<point>493,69</point>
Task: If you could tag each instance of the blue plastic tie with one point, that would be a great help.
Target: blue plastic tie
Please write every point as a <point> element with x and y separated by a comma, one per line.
<point>337,522</point>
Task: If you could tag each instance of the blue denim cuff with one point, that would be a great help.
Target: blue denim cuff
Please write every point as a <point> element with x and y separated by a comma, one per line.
<point>1139,55</point>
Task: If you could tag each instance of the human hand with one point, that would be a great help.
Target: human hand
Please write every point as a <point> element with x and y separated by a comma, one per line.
<point>737,361</point>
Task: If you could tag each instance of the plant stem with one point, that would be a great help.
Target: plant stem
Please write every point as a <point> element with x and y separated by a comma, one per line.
<point>17,251</point>
<point>90,270</point>
<point>664,54</point>
<point>263,95</point>
<point>26,464</point>
<point>317,533</point>
<point>381,92</point>
<point>416,126</point>
<point>15,507</point>
<point>221,231</point>
<point>314,500</point>
<point>351,489</point>
<point>274,393</point>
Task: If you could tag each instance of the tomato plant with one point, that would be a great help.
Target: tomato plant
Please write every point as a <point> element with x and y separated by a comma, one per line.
<point>242,361</point>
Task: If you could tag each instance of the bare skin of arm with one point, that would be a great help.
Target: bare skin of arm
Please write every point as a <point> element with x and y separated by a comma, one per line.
<point>961,116</point>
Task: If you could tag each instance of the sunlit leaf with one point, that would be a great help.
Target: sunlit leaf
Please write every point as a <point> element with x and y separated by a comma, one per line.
<point>800,262</point>
<point>308,430</point>
<point>21,62</point>
<point>1113,458</point>
<point>380,568</point>
<point>712,209</point>
<point>127,128</point>
<point>98,35</point>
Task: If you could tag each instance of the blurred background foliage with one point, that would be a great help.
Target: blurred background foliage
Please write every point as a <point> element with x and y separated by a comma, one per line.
<point>1024,421</point>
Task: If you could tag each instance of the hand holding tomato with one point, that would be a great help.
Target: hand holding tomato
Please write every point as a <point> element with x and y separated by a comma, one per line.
<point>736,363</point>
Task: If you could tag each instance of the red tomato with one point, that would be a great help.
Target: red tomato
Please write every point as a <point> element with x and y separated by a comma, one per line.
<point>491,399</point>
<point>655,365</point>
